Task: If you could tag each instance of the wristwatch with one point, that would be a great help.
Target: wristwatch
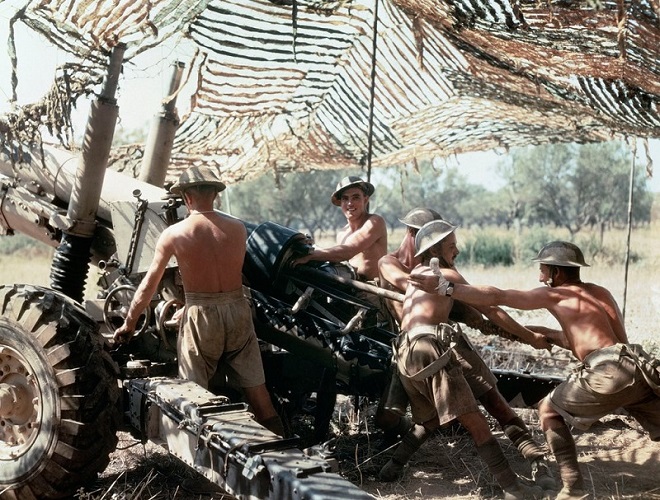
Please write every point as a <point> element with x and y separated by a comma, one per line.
<point>450,289</point>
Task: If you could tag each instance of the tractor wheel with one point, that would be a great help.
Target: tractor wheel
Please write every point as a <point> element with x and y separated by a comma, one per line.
<point>59,395</point>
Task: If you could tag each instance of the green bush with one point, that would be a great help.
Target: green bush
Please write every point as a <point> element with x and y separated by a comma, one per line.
<point>609,255</point>
<point>531,241</point>
<point>488,249</point>
<point>10,245</point>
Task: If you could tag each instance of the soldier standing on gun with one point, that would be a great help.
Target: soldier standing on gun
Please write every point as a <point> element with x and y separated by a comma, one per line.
<point>209,248</point>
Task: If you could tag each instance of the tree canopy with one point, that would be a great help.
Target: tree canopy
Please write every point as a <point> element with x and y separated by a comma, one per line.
<point>573,186</point>
<point>566,185</point>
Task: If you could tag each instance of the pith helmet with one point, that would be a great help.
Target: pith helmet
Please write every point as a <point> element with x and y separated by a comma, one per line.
<point>561,253</point>
<point>432,233</point>
<point>351,181</point>
<point>419,216</point>
<point>196,176</point>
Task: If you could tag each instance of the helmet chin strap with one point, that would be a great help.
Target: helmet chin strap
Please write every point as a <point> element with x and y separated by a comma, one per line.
<point>442,261</point>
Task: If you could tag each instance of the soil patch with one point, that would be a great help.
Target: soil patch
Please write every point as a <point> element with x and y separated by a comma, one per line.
<point>618,459</point>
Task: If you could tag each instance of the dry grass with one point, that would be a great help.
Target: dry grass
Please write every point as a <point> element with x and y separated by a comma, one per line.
<point>21,268</point>
<point>145,471</point>
<point>617,459</point>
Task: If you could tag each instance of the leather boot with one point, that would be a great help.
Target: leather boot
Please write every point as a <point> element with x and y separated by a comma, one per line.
<point>562,445</point>
<point>516,430</point>
<point>491,453</point>
<point>410,443</point>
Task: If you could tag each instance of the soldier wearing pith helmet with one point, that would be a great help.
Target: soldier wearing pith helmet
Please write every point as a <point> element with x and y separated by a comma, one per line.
<point>351,181</point>
<point>431,372</point>
<point>395,267</point>
<point>613,373</point>
<point>437,239</point>
<point>198,177</point>
<point>419,216</point>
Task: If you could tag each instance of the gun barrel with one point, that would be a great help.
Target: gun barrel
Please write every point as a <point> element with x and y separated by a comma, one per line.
<point>52,177</point>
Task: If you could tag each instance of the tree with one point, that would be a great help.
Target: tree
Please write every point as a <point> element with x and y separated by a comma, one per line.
<point>443,189</point>
<point>293,200</point>
<point>399,189</point>
<point>572,186</point>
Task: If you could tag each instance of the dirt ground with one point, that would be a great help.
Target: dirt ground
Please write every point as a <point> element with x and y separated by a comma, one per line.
<point>618,459</point>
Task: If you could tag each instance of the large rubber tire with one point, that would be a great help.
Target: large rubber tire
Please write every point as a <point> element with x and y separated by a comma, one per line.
<point>61,432</point>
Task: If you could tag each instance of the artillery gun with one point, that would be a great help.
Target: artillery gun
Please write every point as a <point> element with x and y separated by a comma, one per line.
<point>65,390</point>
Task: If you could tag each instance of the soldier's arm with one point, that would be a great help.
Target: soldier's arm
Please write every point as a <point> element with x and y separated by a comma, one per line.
<point>147,288</point>
<point>392,271</point>
<point>553,335</point>
<point>357,242</point>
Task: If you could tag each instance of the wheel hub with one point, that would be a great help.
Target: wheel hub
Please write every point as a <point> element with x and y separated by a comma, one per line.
<point>19,404</point>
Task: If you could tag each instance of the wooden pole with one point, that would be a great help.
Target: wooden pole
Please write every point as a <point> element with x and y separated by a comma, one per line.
<point>372,93</point>
<point>630,216</point>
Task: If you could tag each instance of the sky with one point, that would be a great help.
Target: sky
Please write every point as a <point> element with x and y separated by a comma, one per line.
<point>145,82</point>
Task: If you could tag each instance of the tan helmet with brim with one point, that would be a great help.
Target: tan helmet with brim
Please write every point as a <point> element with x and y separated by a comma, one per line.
<point>351,181</point>
<point>419,216</point>
<point>561,253</point>
<point>197,176</point>
<point>431,234</point>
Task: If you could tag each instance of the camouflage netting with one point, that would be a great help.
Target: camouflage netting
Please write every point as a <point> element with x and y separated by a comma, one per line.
<point>287,85</point>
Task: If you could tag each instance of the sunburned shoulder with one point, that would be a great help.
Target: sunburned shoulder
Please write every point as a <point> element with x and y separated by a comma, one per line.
<point>594,286</point>
<point>231,220</point>
<point>376,220</point>
<point>597,290</point>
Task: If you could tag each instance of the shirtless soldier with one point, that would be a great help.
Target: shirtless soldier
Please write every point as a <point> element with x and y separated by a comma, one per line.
<point>364,238</point>
<point>217,323</point>
<point>613,373</point>
<point>431,372</point>
<point>395,269</point>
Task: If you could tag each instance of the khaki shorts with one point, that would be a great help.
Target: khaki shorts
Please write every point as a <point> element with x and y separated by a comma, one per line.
<point>444,395</point>
<point>608,379</point>
<point>475,370</point>
<point>217,327</point>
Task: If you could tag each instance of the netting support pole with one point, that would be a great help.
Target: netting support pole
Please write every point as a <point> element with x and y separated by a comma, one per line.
<point>372,93</point>
<point>630,218</point>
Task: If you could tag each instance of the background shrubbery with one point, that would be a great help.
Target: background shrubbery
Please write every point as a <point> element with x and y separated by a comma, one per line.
<point>574,188</point>
<point>495,246</point>
<point>24,246</point>
<point>488,249</point>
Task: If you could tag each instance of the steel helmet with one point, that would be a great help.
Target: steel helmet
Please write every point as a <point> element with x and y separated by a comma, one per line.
<point>419,216</point>
<point>561,253</point>
<point>432,233</point>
